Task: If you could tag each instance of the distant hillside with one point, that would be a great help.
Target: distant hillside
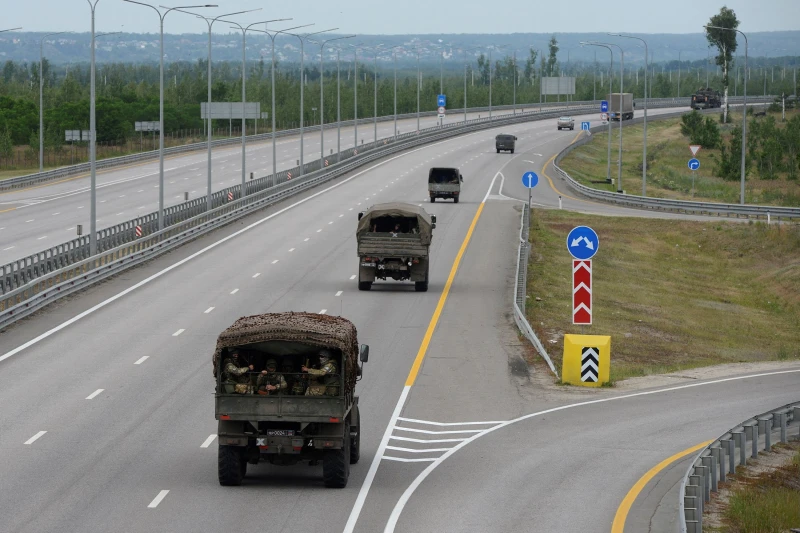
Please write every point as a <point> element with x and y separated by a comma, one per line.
<point>780,47</point>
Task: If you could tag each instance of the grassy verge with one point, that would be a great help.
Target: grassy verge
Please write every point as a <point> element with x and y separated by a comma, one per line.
<point>668,175</point>
<point>672,295</point>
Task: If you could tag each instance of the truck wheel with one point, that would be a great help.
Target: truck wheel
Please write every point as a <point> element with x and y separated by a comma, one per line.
<point>433,199</point>
<point>336,466</point>
<point>355,444</point>
<point>512,150</point>
<point>455,199</point>
<point>364,285</point>
<point>498,150</point>
<point>421,286</point>
<point>231,465</point>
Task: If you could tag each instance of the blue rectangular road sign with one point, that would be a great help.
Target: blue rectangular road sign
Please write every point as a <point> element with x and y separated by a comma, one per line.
<point>604,106</point>
<point>441,100</point>
<point>585,126</point>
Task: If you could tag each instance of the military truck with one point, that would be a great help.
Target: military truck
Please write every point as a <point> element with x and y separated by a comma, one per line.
<point>620,106</point>
<point>306,421</point>
<point>505,141</point>
<point>394,241</point>
<point>444,183</point>
<point>706,98</point>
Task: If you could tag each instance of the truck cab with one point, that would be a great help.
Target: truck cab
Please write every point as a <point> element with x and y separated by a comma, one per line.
<point>444,183</point>
<point>505,141</point>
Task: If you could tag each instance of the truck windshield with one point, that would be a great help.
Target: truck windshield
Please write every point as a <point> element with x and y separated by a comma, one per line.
<point>443,175</point>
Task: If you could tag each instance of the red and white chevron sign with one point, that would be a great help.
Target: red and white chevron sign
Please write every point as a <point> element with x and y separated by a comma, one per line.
<point>582,292</point>
<point>288,175</point>
<point>230,196</point>
<point>138,231</point>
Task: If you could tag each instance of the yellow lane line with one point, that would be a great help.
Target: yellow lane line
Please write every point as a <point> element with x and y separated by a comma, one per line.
<point>423,349</point>
<point>552,185</point>
<point>618,526</point>
<point>7,210</point>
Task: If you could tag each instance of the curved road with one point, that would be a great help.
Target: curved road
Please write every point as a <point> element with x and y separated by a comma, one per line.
<point>108,394</point>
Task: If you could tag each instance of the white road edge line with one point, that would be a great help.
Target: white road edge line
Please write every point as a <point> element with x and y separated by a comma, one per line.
<point>211,246</point>
<point>400,459</point>
<point>35,437</point>
<point>158,499</point>
<point>93,395</point>
<point>142,360</point>
<point>452,423</point>
<point>208,441</point>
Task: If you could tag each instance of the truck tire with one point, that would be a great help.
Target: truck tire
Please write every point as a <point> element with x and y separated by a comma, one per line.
<point>433,199</point>
<point>512,150</point>
<point>336,466</point>
<point>498,150</point>
<point>355,443</point>
<point>364,285</point>
<point>455,199</point>
<point>231,465</point>
<point>422,286</point>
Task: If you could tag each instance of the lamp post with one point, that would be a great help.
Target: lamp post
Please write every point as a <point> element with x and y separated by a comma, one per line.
<point>610,69</point>
<point>92,146</point>
<point>321,93</point>
<point>644,153</point>
<point>394,61</point>
<point>744,110</point>
<point>210,22</point>
<point>465,80</point>
<point>490,79</point>
<point>161,17</point>
<point>679,72</point>
<point>244,30</point>
<point>41,98</point>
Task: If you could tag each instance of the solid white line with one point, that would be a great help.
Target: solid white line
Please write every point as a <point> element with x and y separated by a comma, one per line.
<point>234,291</point>
<point>401,503</point>
<point>412,450</point>
<point>94,394</point>
<point>142,360</point>
<point>323,311</point>
<point>428,432</point>
<point>208,441</point>
<point>157,499</point>
<point>400,459</point>
<point>353,276</point>
<point>338,293</point>
<point>178,332</point>
<point>208,310</point>
<point>376,461</point>
<point>408,439</point>
<point>451,423</point>
<point>256,275</point>
<point>33,439</point>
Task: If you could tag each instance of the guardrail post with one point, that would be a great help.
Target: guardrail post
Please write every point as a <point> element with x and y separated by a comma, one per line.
<point>695,490</point>
<point>710,462</point>
<point>731,451</point>
<point>720,456</point>
<point>765,427</point>
<point>796,416</point>
<point>740,440</point>
<point>705,486</point>
<point>751,430</point>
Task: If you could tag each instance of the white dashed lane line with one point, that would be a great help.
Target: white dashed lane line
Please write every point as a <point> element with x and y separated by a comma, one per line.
<point>275,261</point>
<point>158,499</point>
<point>93,395</point>
<point>353,276</point>
<point>306,239</point>
<point>339,293</point>
<point>291,249</point>
<point>54,214</point>
<point>209,310</point>
<point>323,311</point>
<point>31,220</point>
<point>256,275</point>
<point>319,230</point>
<point>234,291</point>
<point>178,332</point>
<point>208,441</point>
<point>40,238</point>
<point>35,437</point>
<point>7,249</point>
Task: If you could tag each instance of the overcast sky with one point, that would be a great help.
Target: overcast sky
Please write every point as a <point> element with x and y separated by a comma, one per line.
<point>417,16</point>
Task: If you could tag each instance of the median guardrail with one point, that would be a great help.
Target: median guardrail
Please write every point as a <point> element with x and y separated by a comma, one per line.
<point>31,283</point>
<point>709,466</point>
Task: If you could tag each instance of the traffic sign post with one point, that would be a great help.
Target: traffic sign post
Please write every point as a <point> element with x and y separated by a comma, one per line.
<point>582,244</point>
<point>530,180</point>
<point>694,164</point>
<point>604,106</point>
<point>694,148</point>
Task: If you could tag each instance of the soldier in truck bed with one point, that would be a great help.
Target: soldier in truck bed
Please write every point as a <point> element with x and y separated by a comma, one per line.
<point>269,381</point>
<point>324,379</point>
<point>237,375</point>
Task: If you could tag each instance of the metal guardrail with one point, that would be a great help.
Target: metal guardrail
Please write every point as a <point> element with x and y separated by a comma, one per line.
<point>661,204</point>
<point>72,170</point>
<point>520,288</point>
<point>708,467</point>
<point>37,280</point>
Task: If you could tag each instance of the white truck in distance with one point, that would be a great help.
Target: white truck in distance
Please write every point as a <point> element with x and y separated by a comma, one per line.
<point>620,105</point>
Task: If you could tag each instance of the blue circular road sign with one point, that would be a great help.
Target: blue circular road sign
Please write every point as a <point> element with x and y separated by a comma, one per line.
<point>583,242</point>
<point>694,164</point>
<point>530,179</point>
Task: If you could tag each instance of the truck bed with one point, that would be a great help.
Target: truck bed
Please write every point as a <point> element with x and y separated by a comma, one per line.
<point>281,407</point>
<point>384,245</point>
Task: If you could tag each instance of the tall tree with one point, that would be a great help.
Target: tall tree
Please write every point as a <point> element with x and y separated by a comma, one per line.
<point>552,61</point>
<point>530,65</point>
<point>725,42</point>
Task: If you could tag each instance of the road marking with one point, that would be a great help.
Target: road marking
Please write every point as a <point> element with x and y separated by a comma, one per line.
<point>40,238</point>
<point>414,450</point>
<point>618,526</point>
<point>306,239</point>
<point>487,423</point>
<point>6,249</point>
<point>340,216</point>
<point>323,312</point>
<point>208,441</point>
<point>291,249</point>
<point>275,261</point>
<point>209,310</point>
<point>157,499</point>
<point>353,276</point>
<point>142,360</point>
<point>54,214</point>
<point>178,332</point>
<point>350,209</point>
<point>35,437</point>
<point>31,220</point>
<point>256,275</point>
<point>93,395</point>
<point>428,432</point>
<point>338,293</point>
<point>331,222</point>
<point>80,207</point>
<point>409,439</point>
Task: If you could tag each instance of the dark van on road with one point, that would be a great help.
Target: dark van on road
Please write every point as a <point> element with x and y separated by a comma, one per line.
<point>505,142</point>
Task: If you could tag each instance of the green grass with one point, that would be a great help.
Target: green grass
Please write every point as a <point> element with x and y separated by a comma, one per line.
<point>667,173</point>
<point>672,295</point>
<point>769,504</point>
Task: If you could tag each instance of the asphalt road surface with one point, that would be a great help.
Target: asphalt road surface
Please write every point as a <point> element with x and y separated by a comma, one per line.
<point>108,395</point>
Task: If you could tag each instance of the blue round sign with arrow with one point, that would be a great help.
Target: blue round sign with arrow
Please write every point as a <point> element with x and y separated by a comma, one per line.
<point>530,179</point>
<point>582,243</point>
<point>694,164</point>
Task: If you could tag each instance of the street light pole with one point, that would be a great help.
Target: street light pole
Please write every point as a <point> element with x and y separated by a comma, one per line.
<point>514,82</point>
<point>41,99</point>
<point>418,82</point>
<point>644,153</point>
<point>161,17</point>
<point>610,69</point>
<point>744,111</point>
<point>321,96</point>
<point>92,147</point>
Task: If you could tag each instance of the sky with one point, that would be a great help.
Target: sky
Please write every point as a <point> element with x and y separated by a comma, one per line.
<point>414,16</point>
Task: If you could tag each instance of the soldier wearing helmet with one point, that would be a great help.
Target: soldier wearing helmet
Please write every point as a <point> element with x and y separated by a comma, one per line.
<point>295,381</point>
<point>325,378</point>
<point>270,382</point>
<point>237,375</point>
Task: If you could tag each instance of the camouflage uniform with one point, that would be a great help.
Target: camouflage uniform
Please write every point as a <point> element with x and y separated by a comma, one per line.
<point>238,376</point>
<point>296,383</point>
<point>271,378</point>
<point>324,381</point>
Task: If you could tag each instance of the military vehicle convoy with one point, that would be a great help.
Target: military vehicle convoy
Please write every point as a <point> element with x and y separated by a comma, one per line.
<point>308,415</point>
<point>394,241</point>
<point>444,183</point>
<point>706,98</point>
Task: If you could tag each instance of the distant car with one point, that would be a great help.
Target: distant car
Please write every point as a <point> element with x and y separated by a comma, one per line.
<point>566,123</point>
<point>505,142</point>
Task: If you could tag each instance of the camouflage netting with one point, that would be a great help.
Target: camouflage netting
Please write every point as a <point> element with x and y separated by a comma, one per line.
<point>317,330</point>
<point>398,209</point>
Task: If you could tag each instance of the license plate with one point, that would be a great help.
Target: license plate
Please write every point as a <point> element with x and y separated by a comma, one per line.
<point>367,264</point>
<point>280,433</point>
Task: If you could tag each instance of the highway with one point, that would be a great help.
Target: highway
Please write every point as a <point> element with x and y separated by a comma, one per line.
<point>108,395</point>
<point>34,219</point>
